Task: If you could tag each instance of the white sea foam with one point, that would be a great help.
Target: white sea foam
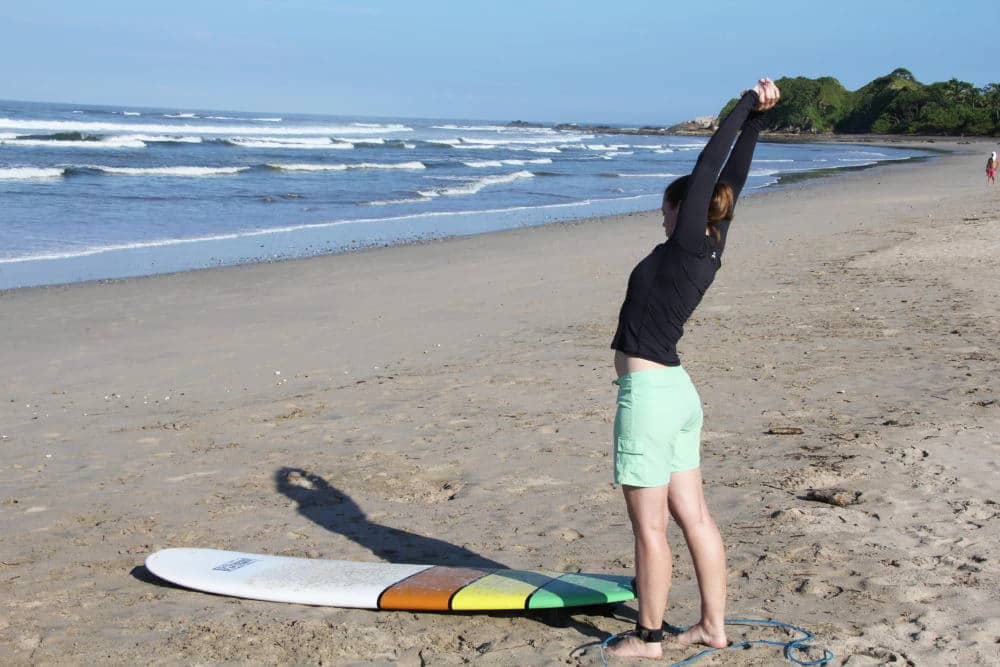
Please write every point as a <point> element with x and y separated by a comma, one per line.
<point>757,160</point>
<point>392,165</point>
<point>499,163</point>
<point>179,115</point>
<point>495,128</point>
<point>854,163</point>
<point>184,128</point>
<point>490,163</point>
<point>476,185</point>
<point>866,153</point>
<point>21,173</point>
<point>306,167</point>
<point>163,138</point>
<point>404,200</point>
<point>290,142</point>
<point>646,175</point>
<point>294,228</point>
<point>522,140</point>
<point>539,145</point>
<point>298,141</point>
<point>662,151</point>
<point>343,167</point>
<point>409,145</point>
<point>268,120</point>
<point>131,113</point>
<point>168,171</point>
<point>107,142</point>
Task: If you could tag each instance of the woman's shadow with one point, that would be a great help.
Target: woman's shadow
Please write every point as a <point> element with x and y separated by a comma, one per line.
<point>334,510</point>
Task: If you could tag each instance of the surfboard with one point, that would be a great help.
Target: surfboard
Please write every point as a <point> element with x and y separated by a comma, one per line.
<point>397,586</point>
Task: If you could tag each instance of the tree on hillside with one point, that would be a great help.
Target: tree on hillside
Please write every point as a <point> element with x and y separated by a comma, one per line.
<point>871,102</point>
<point>808,105</point>
<point>991,99</point>
<point>896,103</point>
<point>959,92</point>
<point>900,113</point>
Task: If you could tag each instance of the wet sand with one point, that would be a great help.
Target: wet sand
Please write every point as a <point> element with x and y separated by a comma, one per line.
<point>451,403</point>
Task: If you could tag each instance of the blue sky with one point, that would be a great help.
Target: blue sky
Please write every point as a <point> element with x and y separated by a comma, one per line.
<point>648,61</point>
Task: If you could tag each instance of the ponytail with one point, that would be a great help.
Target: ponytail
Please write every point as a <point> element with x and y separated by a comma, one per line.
<point>719,210</point>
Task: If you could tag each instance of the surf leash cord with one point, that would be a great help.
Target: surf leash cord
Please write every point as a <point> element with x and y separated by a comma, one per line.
<point>790,647</point>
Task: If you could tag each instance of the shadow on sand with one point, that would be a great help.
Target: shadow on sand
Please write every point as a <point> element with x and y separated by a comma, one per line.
<point>334,510</point>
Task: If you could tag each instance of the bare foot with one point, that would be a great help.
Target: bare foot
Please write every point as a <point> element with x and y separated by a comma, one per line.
<point>697,634</point>
<point>631,646</point>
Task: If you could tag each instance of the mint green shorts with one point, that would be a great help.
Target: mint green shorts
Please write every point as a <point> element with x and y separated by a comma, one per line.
<point>657,426</point>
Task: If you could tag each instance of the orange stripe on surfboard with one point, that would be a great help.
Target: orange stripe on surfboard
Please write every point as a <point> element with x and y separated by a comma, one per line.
<point>430,590</point>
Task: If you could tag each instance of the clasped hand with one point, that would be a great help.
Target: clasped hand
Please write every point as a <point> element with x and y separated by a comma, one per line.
<point>767,94</point>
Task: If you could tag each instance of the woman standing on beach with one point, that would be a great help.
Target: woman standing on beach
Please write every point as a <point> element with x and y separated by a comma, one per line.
<point>659,418</point>
<point>991,168</point>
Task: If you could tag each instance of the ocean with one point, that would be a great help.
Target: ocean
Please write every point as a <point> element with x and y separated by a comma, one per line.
<point>101,192</point>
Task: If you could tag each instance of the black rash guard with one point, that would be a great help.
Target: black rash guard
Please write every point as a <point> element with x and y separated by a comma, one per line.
<point>666,287</point>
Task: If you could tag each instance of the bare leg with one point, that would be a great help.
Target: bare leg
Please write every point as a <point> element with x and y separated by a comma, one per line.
<point>647,509</point>
<point>687,505</point>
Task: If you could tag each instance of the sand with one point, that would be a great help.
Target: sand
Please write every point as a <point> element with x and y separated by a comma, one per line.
<point>451,403</point>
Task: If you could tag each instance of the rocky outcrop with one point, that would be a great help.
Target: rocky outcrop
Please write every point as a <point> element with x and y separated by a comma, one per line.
<point>699,125</point>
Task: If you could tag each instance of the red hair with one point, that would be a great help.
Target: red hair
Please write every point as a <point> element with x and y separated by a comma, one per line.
<point>721,207</point>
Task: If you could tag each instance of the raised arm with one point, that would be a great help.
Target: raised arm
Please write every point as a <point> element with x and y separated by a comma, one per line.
<point>692,219</point>
<point>738,165</point>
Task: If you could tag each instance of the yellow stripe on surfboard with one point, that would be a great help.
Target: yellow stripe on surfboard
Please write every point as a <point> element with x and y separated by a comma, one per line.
<point>501,590</point>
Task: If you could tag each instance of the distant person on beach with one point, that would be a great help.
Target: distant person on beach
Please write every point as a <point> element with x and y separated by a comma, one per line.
<point>658,424</point>
<point>991,168</point>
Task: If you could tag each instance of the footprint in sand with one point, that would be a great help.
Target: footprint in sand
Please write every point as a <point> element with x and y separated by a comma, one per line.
<point>899,590</point>
<point>818,588</point>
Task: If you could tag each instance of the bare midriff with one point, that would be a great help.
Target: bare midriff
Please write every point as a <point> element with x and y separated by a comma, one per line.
<point>626,364</point>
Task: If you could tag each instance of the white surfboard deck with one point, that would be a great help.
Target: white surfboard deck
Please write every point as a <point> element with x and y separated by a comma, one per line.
<point>340,583</point>
<point>336,583</point>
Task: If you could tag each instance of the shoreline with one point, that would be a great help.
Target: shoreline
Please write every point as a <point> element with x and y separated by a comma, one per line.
<point>787,178</point>
<point>783,179</point>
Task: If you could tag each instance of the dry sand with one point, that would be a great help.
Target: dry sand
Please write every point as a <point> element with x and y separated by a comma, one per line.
<point>452,403</point>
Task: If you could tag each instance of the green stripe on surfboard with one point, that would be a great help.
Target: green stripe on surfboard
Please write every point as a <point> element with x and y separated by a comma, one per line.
<point>582,589</point>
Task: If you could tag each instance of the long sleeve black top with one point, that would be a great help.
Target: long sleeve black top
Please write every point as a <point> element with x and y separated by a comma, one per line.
<point>666,286</point>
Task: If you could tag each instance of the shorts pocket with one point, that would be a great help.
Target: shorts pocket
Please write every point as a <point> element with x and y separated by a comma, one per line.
<point>625,440</point>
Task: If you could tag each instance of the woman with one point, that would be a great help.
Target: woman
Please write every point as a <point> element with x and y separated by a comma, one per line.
<point>658,423</point>
<point>991,168</point>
